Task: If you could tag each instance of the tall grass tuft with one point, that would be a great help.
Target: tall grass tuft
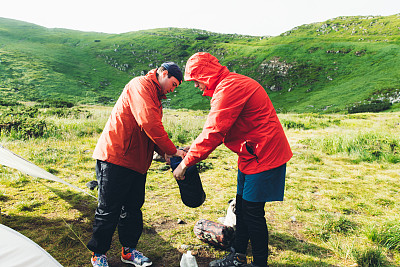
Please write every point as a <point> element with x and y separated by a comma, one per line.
<point>28,205</point>
<point>3,197</point>
<point>367,146</point>
<point>309,121</point>
<point>387,236</point>
<point>334,226</point>
<point>370,257</point>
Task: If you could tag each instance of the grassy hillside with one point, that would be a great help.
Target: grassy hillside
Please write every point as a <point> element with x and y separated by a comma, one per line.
<point>320,67</point>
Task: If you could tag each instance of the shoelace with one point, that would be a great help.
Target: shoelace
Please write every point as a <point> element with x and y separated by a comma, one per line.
<point>102,259</point>
<point>138,254</point>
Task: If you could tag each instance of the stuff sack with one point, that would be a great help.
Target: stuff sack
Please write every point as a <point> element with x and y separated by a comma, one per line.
<point>213,233</point>
<point>191,188</point>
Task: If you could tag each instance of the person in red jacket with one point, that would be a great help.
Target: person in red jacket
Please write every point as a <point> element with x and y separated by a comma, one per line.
<point>124,153</point>
<point>244,119</point>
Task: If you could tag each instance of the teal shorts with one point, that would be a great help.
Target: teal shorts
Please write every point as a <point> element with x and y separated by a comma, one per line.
<point>264,186</point>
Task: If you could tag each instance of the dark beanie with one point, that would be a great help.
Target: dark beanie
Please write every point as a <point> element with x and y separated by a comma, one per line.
<point>174,70</point>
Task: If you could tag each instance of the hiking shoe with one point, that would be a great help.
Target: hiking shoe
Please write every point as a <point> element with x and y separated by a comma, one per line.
<point>132,256</point>
<point>99,260</point>
<point>233,259</point>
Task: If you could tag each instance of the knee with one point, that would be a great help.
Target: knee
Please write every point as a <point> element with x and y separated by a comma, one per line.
<point>253,209</point>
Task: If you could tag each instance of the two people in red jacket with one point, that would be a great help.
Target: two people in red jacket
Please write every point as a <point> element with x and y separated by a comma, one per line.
<point>244,119</point>
<point>241,116</point>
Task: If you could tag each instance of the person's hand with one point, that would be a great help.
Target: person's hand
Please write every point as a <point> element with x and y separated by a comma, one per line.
<point>179,153</point>
<point>179,172</point>
<point>168,158</point>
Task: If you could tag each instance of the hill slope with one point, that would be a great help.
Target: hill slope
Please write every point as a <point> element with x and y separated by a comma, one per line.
<point>312,68</point>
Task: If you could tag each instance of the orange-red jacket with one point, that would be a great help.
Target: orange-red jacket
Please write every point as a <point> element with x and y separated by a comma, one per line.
<point>135,126</point>
<point>241,116</point>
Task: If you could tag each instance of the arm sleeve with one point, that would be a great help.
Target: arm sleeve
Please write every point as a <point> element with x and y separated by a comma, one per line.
<point>226,105</point>
<point>145,108</point>
<point>158,150</point>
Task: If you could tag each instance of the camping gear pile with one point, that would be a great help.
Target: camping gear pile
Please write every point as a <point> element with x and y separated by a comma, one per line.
<point>219,235</point>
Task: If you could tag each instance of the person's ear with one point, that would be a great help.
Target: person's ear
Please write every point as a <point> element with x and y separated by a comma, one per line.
<point>165,73</point>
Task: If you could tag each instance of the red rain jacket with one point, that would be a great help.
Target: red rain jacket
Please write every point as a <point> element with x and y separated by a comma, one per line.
<point>241,116</point>
<point>134,129</point>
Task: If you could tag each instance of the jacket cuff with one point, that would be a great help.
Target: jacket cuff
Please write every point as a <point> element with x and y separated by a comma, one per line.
<point>185,163</point>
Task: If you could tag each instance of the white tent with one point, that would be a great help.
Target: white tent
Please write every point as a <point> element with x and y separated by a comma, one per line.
<point>12,160</point>
<point>16,250</point>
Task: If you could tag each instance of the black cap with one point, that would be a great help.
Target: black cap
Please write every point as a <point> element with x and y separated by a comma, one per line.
<point>174,70</point>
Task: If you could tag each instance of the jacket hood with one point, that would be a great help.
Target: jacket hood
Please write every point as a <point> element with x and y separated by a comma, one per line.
<point>205,68</point>
<point>152,74</point>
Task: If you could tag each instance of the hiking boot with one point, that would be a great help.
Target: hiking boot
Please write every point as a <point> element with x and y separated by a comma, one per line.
<point>132,256</point>
<point>233,259</point>
<point>99,260</point>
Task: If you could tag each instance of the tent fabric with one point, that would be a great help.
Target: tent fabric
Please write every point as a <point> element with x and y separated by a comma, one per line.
<point>12,160</point>
<point>16,250</point>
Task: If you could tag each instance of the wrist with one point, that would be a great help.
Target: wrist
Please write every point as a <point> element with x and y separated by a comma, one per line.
<point>183,165</point>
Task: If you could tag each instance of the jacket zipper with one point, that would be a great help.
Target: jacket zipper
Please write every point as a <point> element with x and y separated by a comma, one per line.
<point>129,146</point>
<point>251,151</point>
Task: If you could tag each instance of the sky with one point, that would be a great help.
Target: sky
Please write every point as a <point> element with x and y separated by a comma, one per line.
<point>248,17</point>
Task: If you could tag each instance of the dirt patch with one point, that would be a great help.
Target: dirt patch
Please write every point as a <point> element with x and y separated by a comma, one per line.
<point>164,224</point>
<point>295,229</point>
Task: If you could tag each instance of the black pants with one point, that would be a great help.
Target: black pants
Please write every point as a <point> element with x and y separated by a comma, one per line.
<point>121,197</point>
<point>251,224</point>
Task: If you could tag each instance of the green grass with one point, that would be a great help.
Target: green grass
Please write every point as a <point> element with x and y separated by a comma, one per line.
<point>387,236</point>
<point>363,146</point>
<point>371,257</point>
<point>338,210</point>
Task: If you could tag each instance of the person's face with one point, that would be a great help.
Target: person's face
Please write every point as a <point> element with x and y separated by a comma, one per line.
<point>168,85</point>
<point>200,85</point>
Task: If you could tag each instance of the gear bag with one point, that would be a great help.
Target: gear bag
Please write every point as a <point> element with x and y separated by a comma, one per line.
<point>216,234</point>
<point>191,188</point>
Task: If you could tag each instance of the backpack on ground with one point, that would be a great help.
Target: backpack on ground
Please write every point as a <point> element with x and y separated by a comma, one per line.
<point>213,233</point>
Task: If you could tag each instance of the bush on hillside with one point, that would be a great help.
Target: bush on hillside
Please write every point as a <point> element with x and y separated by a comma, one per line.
<point>22,127</point>
<point>105,100</point>
<point>202,37</point>
<point>22,123</point>
<point>293,125</point>
<point>55,103</point>
<point>20,111</point>
<point>62,112</point>
<point>8,103</point>
<point>370,106</point>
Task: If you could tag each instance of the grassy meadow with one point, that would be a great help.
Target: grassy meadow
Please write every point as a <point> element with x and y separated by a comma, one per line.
<point>341,204</point>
